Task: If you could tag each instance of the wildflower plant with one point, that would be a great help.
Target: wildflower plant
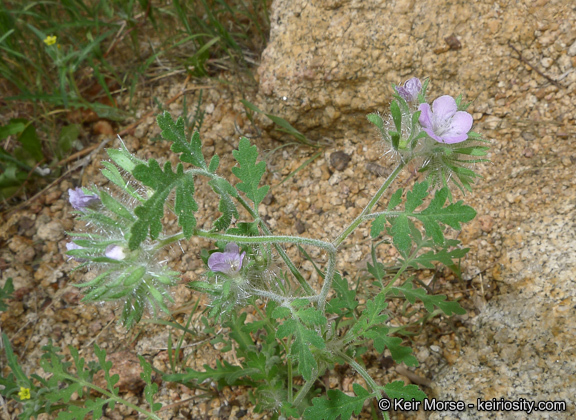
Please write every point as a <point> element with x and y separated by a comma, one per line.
<point>299,330</point>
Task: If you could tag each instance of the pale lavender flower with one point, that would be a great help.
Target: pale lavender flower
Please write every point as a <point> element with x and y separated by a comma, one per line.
<point>70,246</point>
<point>444,123</point>
<point>80,200</point>
<point>228,262</point>
<point>410,90</point>
<point>115,252</point>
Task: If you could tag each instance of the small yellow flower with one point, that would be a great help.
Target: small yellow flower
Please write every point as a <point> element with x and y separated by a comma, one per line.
<point>50,40</point>
<point>24,393</point>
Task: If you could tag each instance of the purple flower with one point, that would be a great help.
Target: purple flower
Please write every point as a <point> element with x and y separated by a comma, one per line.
<point>79,200</point>
<point>445,123</point>
<point>228,262</point>
<point>410,90</point>
<point>115,252</point>
<point>70,246</point>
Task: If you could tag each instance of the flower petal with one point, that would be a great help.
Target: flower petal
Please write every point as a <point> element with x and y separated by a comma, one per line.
<point>461,122</point>
<point>413,86</point>
<point>432,134</point>
<point>443,108</point>
<point>232,248</point>
<point>451,139</point>
<point>114,252</point>
<point>425,119</point>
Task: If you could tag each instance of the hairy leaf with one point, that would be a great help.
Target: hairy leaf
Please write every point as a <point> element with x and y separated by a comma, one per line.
<point>249,172</point>
<point>226,205</point>
<point>300,350</point>
<point>176,133</point>
<point>400,354</point>
<point>151,212</point>
<point>337,405</point>
<point>397,390</point>
<point>429,301</point>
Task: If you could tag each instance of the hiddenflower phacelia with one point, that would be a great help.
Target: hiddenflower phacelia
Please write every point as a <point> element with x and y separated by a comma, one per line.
<point>410,90</point>
<point>444,123</point>
<point>79,200</point>
<point>229,262</point>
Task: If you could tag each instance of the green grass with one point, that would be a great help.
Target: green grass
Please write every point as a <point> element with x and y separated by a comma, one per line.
<point>103,49</point>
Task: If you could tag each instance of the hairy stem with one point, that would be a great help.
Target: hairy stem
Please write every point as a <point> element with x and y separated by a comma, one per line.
<point>264,239</point>
<point>279,249</point>
<point>342,237</point>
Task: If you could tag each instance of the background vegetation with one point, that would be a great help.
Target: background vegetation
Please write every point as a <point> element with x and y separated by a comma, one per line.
<point>68,63</point>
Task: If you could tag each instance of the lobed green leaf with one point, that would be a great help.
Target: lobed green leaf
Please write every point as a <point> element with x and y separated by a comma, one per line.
<point>337,405</point>
<point>249,172</point>
<point>176,133</point>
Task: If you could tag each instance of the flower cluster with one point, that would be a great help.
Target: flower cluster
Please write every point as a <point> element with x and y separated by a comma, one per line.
<point>432,134</point>
<point>131,277</point>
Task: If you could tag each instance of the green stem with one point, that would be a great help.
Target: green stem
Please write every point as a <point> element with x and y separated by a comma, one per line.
<point>281,299</point>
<point>371,383</point>
<point>168,240</point>
<point>279,249</point>
<point>327,280</point>
<point>305,389</point>
<point>264,239</point>
<point>371,204</point>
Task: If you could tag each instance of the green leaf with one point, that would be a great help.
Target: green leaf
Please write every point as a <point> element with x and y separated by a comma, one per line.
<point>337,405</point>
<point>68,135</point>
<point>345,300</point>
<point>371,316</point>
<point>377,270</point>
<point>472,151</point>
<point>226,205</point>
<point>395,199</point>
<point>223,374</point>
<point>311,317</point>
<point>443,256</point>
<point>281,312</point>
<point>377,226</point>
<point>213,165</point>
<point>429,301</point>
<point>13,363</point>
<point>395,136</point>
<point>396,115</point>
<point>452,215</point>
<point>176,133</point>
<point>31,143</point>
<point>300,349</point>
<point>249,172</point>
<point>382,340</point>
<point>416,197</point>
<point>6,293</point>
<point>14,126</point>
<point>376,120</point>
<point>115,207</point>
<point>124,158</point>
<point>151,388</point>
<point>151,212</point>
<point>397,390</point>
<point>401,232</point>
